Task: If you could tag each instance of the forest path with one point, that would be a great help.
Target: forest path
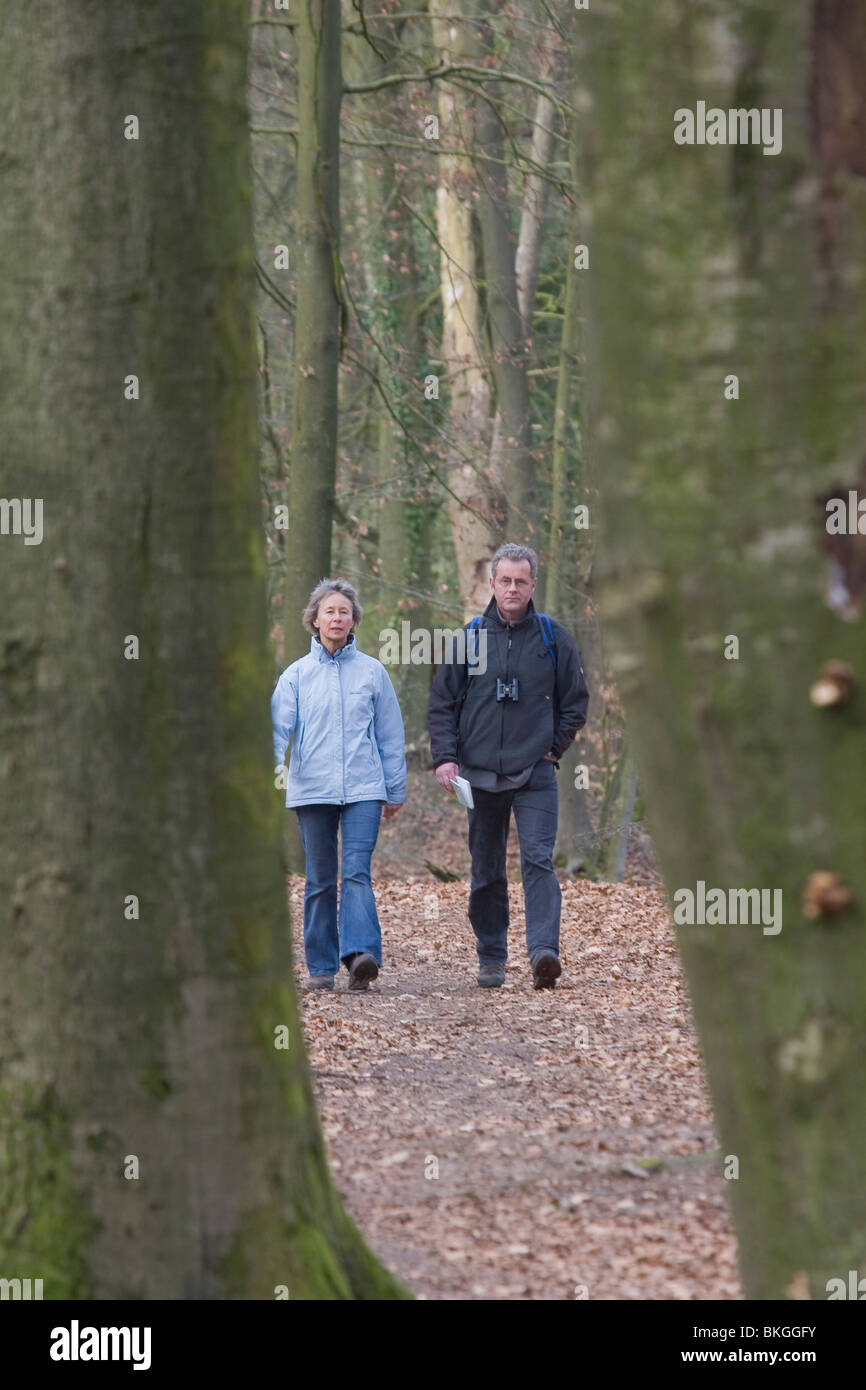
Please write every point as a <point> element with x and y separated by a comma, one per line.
<point>523,1144</point>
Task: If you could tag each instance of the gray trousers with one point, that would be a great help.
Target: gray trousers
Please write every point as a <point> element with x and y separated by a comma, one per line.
<point>535,807</point>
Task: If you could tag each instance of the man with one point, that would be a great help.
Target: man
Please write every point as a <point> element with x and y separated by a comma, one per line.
<point>502,722</point>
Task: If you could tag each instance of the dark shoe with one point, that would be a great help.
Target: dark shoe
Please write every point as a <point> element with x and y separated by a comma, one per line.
<point>546,970</point>
<point>320,982</point>
<point>362,970</point>
<point>491,974</point>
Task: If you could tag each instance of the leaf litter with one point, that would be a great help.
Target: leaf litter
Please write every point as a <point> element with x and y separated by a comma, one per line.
<point>523,1144</point>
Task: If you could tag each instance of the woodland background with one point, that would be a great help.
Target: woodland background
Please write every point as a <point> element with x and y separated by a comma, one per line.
<point>440,414</point>
<point>203,326</point>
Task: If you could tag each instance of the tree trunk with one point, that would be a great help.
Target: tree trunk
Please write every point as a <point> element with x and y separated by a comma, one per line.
<point>511,455</point>
<point>391,278</point>
<point>318,313</point>
<point>475,506</point>
<point>574,835</point>
<point>626,816</point>
<point>563,536</point>
<point>535,197</point>
<point>155,1141</point>
<point>708,262</point>
<point>318,320</point>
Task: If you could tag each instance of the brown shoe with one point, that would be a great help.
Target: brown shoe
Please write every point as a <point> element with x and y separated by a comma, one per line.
<point>362,970</point>
<point>546,970</point>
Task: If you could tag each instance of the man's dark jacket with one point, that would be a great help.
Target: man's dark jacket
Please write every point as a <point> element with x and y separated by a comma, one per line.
<point>505,736</point>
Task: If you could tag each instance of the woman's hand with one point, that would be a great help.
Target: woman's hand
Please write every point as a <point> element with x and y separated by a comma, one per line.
<point>390,809</point>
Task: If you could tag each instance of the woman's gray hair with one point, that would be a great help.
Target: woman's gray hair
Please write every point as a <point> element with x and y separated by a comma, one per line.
<point>321,591</point>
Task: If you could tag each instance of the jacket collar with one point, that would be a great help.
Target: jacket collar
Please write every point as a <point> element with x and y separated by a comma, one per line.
<point>322,654</point>
<point>491,614</point>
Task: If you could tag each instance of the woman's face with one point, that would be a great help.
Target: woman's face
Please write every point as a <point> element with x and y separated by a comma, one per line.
<point>334,617</point>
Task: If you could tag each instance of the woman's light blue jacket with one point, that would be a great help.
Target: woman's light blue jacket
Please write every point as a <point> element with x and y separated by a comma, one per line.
<point>344,721</point>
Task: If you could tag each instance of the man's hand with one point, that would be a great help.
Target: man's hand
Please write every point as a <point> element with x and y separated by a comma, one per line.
<point>445,773</point>
<point>390,809</point>
<point>550,758</point>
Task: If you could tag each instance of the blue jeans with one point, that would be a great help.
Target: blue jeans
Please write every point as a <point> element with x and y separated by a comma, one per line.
<point>535,806</point>
<point>328,936</point>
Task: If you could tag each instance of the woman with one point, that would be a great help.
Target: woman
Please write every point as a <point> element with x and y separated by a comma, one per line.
<point>348,759</point>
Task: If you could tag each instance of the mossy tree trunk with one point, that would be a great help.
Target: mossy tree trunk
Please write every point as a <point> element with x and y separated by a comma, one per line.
<point>713,261</point>
<point>319,317</point>
<point>155,1142</point>
<point>391,278</point>
<point>568,557</point>
<point>319,310</point>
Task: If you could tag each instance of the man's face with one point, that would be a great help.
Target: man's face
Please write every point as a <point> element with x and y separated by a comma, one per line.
<point>513,587</point>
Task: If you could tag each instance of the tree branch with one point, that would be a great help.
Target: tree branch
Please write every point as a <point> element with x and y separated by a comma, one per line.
<point>270,289</point>
<point>462,70</point>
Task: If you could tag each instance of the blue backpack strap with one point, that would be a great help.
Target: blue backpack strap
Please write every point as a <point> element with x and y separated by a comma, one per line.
<point>473,627</point>
<point>547,634</point>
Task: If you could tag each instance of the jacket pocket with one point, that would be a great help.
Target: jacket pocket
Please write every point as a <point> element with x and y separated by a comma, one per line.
<point>375,759</point>
<point>299,746</point>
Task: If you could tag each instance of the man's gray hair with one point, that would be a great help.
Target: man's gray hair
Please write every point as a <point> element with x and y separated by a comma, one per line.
<point>509,551</point>
<point>321,591</point>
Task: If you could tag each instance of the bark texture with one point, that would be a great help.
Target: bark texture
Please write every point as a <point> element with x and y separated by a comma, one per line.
<point>710,261</point>
<point>145,1032</point>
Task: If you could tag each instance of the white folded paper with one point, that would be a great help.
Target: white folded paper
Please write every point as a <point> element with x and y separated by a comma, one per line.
<point>463,792</point>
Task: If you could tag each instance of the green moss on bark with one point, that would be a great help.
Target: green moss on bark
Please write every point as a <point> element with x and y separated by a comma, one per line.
<point>45,1221</point>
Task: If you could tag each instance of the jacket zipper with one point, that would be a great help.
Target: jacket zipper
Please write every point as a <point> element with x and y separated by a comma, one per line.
<point>342,732</point>
<point>507,678</point>
<point>298,740</point>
